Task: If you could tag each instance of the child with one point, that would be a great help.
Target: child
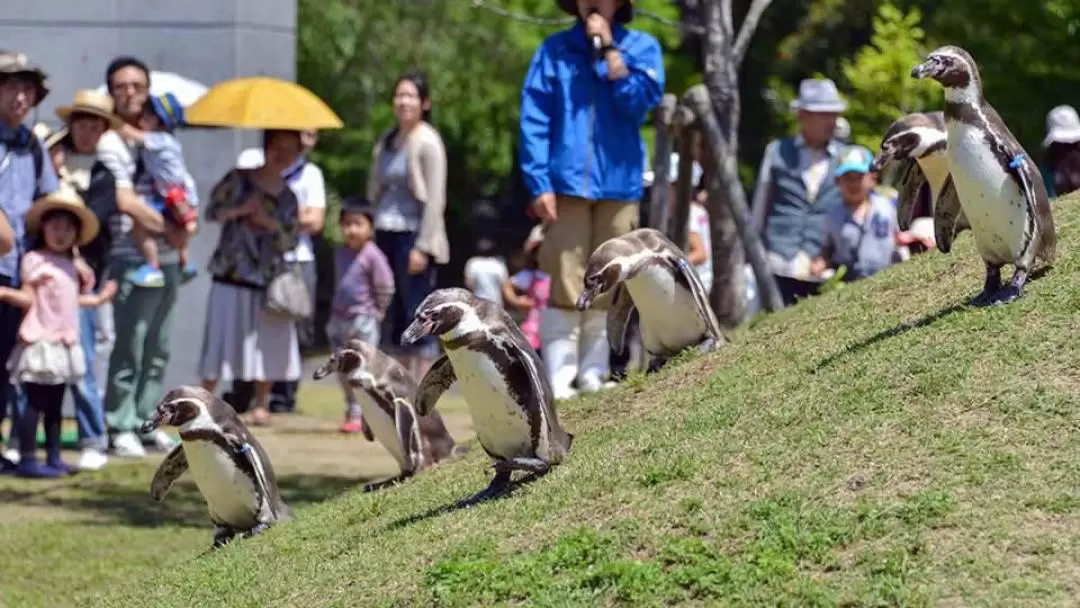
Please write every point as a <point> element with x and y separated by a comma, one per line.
<point>49,356</point>
<point>528,290</point>
<point>365,285</point>
<point>485,272</point>
<point>861,233</point>
<point>698,234</point>
<point>174,193</point>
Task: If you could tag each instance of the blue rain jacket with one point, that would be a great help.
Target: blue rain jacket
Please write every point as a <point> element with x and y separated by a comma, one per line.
<point>580,132</point>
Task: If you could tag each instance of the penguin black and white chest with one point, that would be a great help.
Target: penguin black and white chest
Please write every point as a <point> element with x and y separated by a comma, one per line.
<point>998,185</point>
<point>229,466</point>
<point>643,269</point>
<point>386,392</point>
<point>501,377</point>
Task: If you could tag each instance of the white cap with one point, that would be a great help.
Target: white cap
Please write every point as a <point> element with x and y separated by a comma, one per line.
<point>1062,126</point>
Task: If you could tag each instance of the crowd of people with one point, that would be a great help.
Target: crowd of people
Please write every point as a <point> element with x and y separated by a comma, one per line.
<point>97,218</point>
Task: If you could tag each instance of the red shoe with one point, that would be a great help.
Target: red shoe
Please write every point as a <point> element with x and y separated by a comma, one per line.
<point>352,426</point>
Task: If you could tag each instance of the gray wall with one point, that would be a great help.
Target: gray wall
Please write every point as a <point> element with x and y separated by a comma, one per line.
<point>207,40</point>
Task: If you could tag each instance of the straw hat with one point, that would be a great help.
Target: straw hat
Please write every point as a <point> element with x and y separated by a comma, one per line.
<point>18,64</point>
<point>66,199</point>
<point>89,101</point>
<point>49,137</point>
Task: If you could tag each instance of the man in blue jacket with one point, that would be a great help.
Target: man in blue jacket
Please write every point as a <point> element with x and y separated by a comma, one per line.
<point>587,92</point>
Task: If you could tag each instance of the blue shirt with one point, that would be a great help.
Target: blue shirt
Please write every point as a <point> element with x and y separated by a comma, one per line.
<point>864,248</point>
<point>580,131</point>
<point>18,184</point>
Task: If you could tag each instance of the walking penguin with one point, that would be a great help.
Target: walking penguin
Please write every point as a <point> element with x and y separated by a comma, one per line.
<point>999,186</point>
<point>501,378</point>
<point>229,466</point>
<point>644,270</point>
<point>386,395</point>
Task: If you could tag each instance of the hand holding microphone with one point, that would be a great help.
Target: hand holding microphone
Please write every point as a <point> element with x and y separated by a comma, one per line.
<point>598,29</point>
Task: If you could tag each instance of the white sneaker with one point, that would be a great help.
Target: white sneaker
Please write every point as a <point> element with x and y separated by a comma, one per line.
<point>162,441</point>
<point>92,460</point>
<point>13,455</point>
<point>559,331</point>
<point>595,352</point>
<point>127,445</point>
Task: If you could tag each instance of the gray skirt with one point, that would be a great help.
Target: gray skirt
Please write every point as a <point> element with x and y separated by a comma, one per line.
<point>244,342</point>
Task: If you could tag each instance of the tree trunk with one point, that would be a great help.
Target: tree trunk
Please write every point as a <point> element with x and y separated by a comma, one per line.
<point>728,290</point>
<point>657,214</point>
<point>684,191</point>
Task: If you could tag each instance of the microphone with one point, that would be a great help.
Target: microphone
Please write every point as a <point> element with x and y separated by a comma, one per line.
<point>596,42</point>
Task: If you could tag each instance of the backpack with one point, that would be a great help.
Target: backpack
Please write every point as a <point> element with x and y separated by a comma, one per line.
<point>37,148</point>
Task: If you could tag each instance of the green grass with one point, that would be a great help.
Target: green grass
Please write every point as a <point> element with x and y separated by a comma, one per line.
<point>880,445</point>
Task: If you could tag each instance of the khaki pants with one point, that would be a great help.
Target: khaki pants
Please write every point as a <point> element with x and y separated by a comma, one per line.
<point>581,227</point>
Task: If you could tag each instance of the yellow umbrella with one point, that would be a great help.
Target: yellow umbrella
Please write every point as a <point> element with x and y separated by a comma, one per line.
<point>260,102</point>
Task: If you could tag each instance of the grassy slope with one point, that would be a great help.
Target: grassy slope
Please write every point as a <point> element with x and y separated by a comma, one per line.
<point>875,445</point>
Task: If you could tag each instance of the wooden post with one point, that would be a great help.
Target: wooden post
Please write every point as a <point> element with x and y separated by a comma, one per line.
<point>682,124</point>
<point>729,189</point>
<point>656,215</point>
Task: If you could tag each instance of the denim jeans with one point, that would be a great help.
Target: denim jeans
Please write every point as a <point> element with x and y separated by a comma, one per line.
<point>89,404</point>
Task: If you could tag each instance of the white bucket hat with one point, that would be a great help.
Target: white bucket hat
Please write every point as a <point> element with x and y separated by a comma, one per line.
<point>1062,126</point>
<point>818,95</point>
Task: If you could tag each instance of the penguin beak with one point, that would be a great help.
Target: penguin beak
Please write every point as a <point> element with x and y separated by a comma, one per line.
<point>922,70</point>
<point>324,370</point>
<point>584,300</point>
<point>880,160</point>
<point>152,424</point>
<point>416,330</point>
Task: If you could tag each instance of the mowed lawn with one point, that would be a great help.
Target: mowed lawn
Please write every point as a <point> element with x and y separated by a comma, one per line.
<point>883,444</point>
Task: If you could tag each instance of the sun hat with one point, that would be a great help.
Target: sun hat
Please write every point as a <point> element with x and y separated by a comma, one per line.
<point>1062,126</point>
<point>12,64</point>
<point>818,95</point>
<point>623,15</point>
<point>854,158</point>
<point>168,109</point>
<point>48,137</point>
<point>89,101</point>
<point>65,199</point>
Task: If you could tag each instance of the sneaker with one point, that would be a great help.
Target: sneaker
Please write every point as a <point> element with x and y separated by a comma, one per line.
<point>62,466</point>
<point>591,384</point>
<point>35,470</point>
<point>162,442</point>
<point>146,276</point>
<point>188,273</point>
<point>92,460</point>
<point>352,426</point>
<point>127,445</point>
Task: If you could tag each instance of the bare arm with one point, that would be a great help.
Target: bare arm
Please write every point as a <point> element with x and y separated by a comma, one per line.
<point>312,219</point>
<point>7,235</point>
<point>133,206</point>
<point>696,253</point>
<point>21,298</point>
<point>511,296</point>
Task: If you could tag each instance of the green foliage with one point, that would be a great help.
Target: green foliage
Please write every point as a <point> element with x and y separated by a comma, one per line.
<point>879,76</point>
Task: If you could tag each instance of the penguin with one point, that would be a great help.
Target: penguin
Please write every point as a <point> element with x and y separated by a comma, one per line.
<point>998,185</point>
<point>229,466</point>
<point>646,272</point>
<point>502,379</point>
<point>387,391</point>
<point>917,143</point>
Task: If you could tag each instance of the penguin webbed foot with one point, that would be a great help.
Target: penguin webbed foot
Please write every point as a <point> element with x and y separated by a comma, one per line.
<point>258,529</point>
<point>655,365</point>
<point>498,486</point>
<point>707,345</point>
<point>532,465</point>
<point>222,535</point>
<point>1014,289</point>
<point>991,287</point>
<point>375,486</point>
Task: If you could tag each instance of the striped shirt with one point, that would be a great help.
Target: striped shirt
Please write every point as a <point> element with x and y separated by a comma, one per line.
<point>18,184</point>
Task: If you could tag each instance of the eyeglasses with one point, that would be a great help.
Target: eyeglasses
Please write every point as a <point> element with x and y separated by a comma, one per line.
<point>137,87</point>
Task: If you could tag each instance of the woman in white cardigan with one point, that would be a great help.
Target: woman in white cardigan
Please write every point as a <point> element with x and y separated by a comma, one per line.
<point>407,186</point>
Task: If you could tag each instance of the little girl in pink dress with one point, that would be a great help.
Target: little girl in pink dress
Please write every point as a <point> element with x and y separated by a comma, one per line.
<point>529,289</point>
<point>48,356</point>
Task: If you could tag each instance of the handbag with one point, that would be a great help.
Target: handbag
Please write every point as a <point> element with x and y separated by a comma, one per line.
<point>288,296</point>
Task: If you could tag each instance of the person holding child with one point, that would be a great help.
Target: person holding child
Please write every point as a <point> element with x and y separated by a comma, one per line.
<point>49,356</point>
<point>172,191</point>
<point>529,289</point>
<point>365,288</point>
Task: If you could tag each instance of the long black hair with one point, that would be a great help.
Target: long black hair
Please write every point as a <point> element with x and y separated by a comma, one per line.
<point>419,80</point>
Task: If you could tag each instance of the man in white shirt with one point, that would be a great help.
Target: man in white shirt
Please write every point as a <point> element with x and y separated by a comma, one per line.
<point>306,180</point>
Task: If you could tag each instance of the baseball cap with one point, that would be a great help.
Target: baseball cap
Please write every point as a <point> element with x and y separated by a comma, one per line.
<point>854,158</point>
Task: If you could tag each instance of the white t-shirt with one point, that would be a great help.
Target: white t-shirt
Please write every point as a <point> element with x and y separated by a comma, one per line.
<point>699,223</point>
<point>485,276</point>
<point>310,190</point>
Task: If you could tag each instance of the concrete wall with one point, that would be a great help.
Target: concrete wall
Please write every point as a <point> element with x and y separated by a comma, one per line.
<point>206,40</point>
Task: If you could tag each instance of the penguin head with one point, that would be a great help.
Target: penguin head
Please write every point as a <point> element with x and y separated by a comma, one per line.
<point>601,275</point>
<point>344,360</point>
<point>911,141</point>
<point>951,66</point>
<point>179,407</point>
<point>443,313</point>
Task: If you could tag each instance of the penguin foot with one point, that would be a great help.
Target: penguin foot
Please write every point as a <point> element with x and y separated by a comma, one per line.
<point>1014,289</point>
<point>259,529</point>
<point>655,365</point>
<point>222,535</point>
<point>499,485</point>
<point>375,486</point>
<point>707,346</point>
<point>991,287</point>
<point>532,465</point>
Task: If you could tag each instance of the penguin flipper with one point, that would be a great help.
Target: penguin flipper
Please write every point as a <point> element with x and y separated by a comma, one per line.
<point>171,468</point>
<point>1038,204</point>
<point>247,451</point>
<point>618,318</point>
<point>947,216</point>
<point>437,380</point>
<point>408,432</point>
<point>701,298</point>
<point>910,184</point>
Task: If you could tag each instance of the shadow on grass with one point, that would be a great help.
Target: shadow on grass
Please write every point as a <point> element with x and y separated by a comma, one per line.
<point>460,504</point>
<point>899,330</point>
<point>110,502</point>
